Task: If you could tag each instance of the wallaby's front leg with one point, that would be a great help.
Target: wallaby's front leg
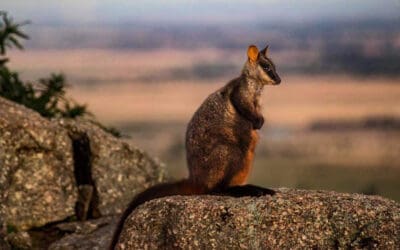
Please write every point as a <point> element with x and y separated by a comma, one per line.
<point>247,107</point>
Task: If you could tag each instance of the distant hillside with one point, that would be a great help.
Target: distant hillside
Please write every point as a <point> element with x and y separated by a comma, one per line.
<point>366,47</point>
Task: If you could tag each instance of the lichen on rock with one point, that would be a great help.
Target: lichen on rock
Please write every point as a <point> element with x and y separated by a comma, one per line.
<point>118,169</point>
<point>37,185</point>
<point>290,219</point>
<point>59,170</point>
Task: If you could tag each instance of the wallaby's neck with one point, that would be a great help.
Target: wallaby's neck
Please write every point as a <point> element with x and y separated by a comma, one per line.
<point>251,83</point>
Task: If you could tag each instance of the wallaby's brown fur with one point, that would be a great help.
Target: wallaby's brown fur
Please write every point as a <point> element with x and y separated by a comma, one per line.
<point>221,138</point>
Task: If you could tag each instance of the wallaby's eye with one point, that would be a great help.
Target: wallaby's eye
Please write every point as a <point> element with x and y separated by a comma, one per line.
<point>265,66</point>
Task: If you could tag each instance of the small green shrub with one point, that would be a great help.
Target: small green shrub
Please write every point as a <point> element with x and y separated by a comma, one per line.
<point>47,96</point>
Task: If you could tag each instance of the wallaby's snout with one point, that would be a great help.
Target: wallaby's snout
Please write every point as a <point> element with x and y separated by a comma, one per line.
<point>278,80</point>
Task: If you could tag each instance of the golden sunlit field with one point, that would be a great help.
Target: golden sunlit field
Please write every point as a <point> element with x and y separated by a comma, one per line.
<point>112,84</point>
<point>151,95</point>
<point>296,102</point>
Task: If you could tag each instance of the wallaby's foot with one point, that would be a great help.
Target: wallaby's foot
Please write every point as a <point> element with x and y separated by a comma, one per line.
<point>248,190</point>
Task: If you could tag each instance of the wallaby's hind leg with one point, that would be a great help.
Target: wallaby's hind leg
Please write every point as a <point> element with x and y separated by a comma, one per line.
<point>214,174</point>
<point>242,172</point>
<point>248,190</point>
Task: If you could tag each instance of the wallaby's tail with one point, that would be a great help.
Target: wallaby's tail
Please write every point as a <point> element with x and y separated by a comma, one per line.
<point>161,190</point>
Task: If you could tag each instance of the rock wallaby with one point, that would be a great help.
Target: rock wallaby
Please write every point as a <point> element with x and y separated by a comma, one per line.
<point>221,138</point>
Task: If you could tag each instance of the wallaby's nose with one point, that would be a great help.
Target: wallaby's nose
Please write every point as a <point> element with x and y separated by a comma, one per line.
<point>278,80</point>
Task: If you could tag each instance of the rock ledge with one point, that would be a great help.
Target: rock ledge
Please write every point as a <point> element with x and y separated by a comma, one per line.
<point>290,219</point>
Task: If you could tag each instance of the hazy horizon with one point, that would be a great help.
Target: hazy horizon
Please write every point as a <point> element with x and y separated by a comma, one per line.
<point>205,12</point>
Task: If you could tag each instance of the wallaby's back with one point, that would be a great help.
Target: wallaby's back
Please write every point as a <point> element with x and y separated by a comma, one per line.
<point>218,139</point>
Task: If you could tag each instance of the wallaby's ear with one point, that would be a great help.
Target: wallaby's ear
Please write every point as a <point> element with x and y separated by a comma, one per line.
<point>252,53</point>
<point>265,51</point>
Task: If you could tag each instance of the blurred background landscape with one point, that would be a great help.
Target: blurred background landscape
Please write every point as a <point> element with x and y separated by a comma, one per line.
<point>144,68</point>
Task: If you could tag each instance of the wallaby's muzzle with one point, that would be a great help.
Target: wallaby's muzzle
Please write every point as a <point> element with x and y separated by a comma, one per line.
<point>277,80</point>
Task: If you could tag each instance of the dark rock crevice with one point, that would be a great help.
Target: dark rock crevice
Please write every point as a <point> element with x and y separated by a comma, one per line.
<point>87,205</point>
<point>37,237</point>
<point>58,175</point>
<point>364,241</point>
<point>42,237</point>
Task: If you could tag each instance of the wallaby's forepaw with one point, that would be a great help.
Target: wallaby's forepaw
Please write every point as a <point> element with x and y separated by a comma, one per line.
<point>258,123</point>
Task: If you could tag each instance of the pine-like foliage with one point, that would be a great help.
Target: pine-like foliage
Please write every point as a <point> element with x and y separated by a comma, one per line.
<point>47,95</point>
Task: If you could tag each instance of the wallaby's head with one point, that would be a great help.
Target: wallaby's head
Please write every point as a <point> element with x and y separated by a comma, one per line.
<point>259,66</point>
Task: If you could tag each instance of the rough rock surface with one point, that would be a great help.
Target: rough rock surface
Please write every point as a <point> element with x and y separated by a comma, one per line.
<point>57,170</point>
<point>292,219</point>
<point>90,235</point>
<point>118,169</point>
<point>37,184</point>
